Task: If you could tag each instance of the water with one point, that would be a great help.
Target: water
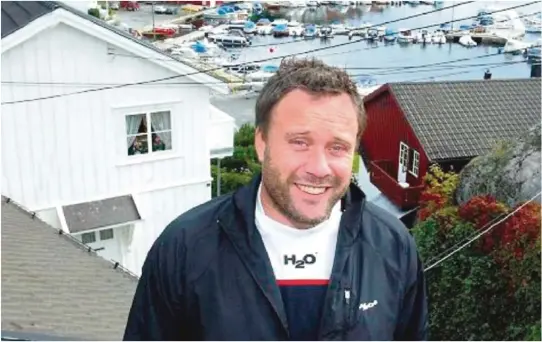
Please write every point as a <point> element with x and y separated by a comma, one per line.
<point>385,62</point>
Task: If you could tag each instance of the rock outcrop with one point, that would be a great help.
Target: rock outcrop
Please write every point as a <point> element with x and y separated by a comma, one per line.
<point>510,173</point>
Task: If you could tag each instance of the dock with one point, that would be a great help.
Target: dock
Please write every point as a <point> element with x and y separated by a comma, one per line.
<point>479,38</point>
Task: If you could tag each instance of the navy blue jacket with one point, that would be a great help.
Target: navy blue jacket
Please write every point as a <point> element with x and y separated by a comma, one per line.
<point>208,277</point>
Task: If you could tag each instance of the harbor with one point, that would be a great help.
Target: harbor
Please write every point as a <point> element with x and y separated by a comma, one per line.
<point>243,47</point>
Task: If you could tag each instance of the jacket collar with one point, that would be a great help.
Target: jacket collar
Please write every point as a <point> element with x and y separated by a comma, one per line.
<point>244,200</point>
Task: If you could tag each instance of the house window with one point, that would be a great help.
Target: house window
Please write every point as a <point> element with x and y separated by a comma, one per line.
<point>141,139</point>
<point>106,234</point>
<point>403,156</point>
<point>415,170</point>
<point>87,238</point>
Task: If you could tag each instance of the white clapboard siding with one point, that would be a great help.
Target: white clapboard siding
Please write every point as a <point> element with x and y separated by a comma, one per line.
<point>70,149</point>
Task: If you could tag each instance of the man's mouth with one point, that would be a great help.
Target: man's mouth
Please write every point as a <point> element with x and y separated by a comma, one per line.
<point>312,190</point>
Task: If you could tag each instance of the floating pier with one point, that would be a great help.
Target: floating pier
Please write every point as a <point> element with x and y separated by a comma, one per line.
<point>479,38</point>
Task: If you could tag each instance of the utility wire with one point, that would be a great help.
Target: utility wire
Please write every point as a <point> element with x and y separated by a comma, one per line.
<point>477,236</point>
<point>333,53</point>
<point>392,72</point>
<point>463,66</point>
<point>220,68</point>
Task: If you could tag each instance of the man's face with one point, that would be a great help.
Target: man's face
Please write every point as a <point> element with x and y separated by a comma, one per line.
<point>307,156</point>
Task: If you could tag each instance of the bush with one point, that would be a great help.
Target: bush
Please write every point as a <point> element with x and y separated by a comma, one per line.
<point>490,290</point>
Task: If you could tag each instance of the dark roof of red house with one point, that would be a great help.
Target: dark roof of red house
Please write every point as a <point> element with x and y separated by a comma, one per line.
<point>462,119</point>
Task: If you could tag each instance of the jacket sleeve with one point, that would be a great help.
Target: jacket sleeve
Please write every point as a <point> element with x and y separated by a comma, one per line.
<point>413,317</point>
<point>156,312</point>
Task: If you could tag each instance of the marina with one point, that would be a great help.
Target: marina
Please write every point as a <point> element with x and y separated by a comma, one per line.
<point>358,36</point>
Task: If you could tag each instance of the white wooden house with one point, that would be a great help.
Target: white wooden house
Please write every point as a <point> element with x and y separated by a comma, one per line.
<point>84,162</point>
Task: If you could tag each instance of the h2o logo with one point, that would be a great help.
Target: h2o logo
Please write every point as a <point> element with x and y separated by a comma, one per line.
<point>307,259</point>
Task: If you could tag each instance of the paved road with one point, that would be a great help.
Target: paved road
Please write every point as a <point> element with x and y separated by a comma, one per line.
<point>139,19</point>
<point>240,107</point>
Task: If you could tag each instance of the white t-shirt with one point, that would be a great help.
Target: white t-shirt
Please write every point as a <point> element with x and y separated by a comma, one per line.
<point>299,256</point>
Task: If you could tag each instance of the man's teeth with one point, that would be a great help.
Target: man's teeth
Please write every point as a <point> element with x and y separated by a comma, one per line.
<point>311,189</point>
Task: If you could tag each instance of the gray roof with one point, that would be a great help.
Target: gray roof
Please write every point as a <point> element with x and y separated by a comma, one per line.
<point>461,119</point>
<point>54,286</point>
<point>97,214</point>
<point>18,14</point>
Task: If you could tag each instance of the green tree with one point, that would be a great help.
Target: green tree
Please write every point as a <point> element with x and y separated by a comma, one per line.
<point>241,167</point>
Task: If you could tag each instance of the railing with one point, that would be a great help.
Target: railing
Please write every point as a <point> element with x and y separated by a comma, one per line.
<point>381,177</point>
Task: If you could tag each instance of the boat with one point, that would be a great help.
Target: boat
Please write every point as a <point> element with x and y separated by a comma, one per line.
<point>439,37</point>
<point>372,34</point>
<point>339,29</point>
<point>250,28</point>
<point>310,31</point>
<point>233,38</point>
<point>326,32</point>
<point>516,47</point>
<point>258,79</point>
<point>281,30</point>
<point>466,40</point>
<point>533,24</point>
<point>533,52</point>
<point>265,30</point>
<point>295,29</point>
<point>198,49</point>
<point>389,35</point>
<point>424,37</point>
<point>405,36</point>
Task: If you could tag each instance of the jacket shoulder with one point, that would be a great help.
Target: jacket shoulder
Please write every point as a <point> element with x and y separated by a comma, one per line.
<point>192,239</point>
<point>388,236</point>
<point>197,220</point>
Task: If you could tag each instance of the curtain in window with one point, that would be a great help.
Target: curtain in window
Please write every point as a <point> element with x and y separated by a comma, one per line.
<point>161,126</point>
<point>132,127</point>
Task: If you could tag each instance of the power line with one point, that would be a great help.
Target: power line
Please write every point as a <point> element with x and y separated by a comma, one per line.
<point>463,66</point>
<point>336,53</point>
<point>477,236</point>
<point>220,68</point>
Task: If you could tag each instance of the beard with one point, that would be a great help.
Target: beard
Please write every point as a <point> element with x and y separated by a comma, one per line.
<point>280,193</point>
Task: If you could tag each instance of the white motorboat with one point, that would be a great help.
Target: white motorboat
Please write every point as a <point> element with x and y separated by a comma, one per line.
<point>439,37</point>
<point>516,47</point>
<point>295,29</point>
<point>466,40</point>
<point>424,37</point>
<point>405,36</point>
<point>265,30</point>
<point>326,32</point>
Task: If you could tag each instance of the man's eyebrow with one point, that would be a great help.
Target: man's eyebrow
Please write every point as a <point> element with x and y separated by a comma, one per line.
<point>296,134</point>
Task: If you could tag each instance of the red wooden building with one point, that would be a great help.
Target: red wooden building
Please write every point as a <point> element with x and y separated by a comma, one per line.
<point>412,125</point>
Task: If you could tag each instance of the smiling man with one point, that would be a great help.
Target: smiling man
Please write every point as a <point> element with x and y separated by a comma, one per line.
<point>297,254</point>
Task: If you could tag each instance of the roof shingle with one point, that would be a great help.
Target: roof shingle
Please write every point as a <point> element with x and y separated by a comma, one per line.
<point>52,285</point>
<point>461,119</point>
<point>18,14</point>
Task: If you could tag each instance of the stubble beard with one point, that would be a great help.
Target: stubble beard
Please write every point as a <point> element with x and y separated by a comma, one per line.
<point>279,193</point>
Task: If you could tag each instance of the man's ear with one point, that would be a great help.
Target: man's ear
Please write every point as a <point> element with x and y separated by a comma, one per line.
<point>259,143</point>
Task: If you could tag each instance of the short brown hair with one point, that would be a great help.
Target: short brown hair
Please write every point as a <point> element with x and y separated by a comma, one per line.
<point>311,75</point>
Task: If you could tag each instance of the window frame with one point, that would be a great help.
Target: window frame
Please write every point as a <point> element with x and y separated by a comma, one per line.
<point>121,135</point>
<point>149,133</point>
<point>415,167</point>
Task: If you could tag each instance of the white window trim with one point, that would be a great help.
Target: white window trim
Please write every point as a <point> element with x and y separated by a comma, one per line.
<point>415,164</point>
<point>146,108</point>
<point>406,154</point>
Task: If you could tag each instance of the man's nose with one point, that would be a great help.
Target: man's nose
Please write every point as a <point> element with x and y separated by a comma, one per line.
<point>318,165</point>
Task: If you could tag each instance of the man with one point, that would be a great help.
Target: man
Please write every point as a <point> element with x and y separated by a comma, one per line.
<point>298,254</point>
